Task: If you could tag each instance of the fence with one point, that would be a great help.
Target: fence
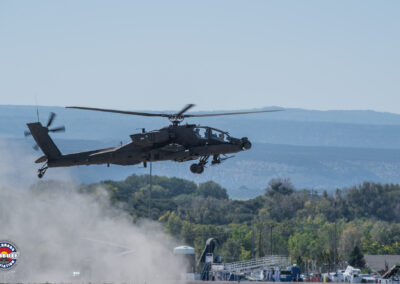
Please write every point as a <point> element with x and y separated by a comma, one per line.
<point>257,263</point>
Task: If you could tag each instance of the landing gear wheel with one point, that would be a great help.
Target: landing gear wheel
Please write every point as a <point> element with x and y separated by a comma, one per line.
<point>200,169</point>
<point>197,168</point>
<point>194,168</point>
<point>40,175</point>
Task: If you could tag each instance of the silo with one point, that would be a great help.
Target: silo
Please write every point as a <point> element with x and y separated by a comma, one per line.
<point>186,256</point>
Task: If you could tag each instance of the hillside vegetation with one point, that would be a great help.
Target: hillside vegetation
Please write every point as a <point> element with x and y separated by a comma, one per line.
<point>300,223</point>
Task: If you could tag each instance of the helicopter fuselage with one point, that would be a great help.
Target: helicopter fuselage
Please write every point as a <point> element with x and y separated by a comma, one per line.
<point>178,143</point>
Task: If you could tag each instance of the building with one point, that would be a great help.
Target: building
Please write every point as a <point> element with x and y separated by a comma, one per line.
<point>381,262</point>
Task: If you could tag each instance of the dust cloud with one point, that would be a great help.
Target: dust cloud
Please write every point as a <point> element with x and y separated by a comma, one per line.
<point>67,236</point>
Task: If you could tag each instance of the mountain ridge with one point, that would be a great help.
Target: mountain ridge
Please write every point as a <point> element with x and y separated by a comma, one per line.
<point>287,127</point>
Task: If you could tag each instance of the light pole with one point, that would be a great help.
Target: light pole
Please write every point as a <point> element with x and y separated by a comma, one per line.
<point>150,188</point>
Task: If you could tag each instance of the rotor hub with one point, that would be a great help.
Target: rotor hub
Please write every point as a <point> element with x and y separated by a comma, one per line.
<point>176,119</point>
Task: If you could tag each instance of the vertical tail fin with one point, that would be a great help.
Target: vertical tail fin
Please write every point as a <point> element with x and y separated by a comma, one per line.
<point>43,140</point>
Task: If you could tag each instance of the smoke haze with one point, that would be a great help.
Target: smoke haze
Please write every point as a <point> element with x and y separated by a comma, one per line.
<point>59,231</point>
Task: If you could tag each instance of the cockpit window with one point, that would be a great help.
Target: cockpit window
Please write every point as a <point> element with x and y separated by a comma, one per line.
<point>218,135</point>
<point>200,132</point>
<point>208,133</point>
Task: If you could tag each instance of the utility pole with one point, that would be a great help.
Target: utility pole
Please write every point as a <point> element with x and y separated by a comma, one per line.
<point>150,188</point>
<point>260,250</point>
<point>253,254</point>
<point>334,241</point>
<point>271,237</point>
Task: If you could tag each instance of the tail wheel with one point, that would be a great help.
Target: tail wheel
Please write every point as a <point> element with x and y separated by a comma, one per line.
<point>42,171</point>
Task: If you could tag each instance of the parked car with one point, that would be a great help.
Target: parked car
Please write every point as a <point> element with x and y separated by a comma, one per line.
<point>286,276</point>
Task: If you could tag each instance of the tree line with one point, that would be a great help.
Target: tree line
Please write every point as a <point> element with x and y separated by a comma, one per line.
<point>284,220</point>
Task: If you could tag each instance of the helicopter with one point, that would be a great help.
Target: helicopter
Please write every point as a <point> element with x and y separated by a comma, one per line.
<point>176,142</point>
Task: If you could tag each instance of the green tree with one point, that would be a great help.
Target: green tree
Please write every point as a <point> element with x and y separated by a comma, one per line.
<point>174,224</point>
<point>281,186</point>
<point>231,250</point>
<point>212,189</point>
<point>356,258</point>
<point>188,233</point>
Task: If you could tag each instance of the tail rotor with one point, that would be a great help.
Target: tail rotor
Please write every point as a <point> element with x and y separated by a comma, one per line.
<point>50,121</point>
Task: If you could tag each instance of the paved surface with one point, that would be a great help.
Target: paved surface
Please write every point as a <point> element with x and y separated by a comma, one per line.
<point>231,282</point>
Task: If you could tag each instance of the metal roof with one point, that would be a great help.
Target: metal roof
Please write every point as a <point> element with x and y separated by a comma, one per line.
<point>381,262</point>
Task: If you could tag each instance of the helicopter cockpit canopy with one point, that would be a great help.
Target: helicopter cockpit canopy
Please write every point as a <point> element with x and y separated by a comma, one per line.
<point>204,132</point>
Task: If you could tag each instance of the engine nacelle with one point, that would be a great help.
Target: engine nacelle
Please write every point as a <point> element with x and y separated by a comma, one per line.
<point>150,138</point>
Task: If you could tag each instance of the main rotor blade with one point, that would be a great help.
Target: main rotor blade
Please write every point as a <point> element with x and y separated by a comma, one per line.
<point>121,111</point>
<point>185,109</point>
<point>179,114</point>
<point>51,119</point>
<point>230,113</point>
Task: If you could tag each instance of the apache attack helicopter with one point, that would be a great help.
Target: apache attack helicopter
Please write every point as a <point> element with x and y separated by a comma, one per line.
<point>175,142</point>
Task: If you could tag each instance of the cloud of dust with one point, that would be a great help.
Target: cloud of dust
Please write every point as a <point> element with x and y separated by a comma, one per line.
<point>59,231</point>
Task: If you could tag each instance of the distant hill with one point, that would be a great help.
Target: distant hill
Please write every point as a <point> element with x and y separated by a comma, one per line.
<point>360,129</point>
<point>320,150</point>
<point>248,173</point>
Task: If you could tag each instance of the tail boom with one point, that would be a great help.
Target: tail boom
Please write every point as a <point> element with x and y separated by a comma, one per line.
<point>44,141</point>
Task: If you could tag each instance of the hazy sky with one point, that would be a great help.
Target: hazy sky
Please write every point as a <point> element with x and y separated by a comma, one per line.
<point>216,54</point>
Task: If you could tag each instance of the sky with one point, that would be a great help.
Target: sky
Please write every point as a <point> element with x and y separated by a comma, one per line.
<point>219,55</point>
